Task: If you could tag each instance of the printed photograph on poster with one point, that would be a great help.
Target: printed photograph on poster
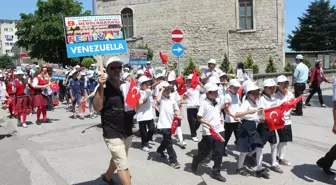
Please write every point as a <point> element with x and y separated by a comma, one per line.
<point>138,56</point>
<point>94,35</point>
<point>58,74</point>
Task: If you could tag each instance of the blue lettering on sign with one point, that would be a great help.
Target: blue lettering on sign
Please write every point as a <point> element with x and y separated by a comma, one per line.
<point>96,48</point>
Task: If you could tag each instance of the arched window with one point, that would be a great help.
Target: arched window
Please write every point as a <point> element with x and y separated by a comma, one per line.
<point>127,15</point>
<point>246,14</point>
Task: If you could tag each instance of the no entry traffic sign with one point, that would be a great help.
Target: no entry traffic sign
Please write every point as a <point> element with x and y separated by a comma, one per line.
<point>177,36</point>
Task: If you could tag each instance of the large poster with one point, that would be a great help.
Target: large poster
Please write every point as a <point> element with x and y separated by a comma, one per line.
<point>58,74</point>
<point>138,56</point>
<point>94,35</point>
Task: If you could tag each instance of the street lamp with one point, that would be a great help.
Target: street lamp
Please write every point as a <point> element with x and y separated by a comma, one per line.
<point>94,7</point>
<point>227,38</point>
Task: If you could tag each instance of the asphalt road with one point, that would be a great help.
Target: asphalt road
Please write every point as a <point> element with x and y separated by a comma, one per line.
<point>60,153</point>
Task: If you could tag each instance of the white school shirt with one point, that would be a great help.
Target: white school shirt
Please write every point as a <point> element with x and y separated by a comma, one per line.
<point>175,96</point>
<point>145,112</point>
<point>167,109</point>
<point>216,72</point>
<point>124,89</point>
<point>267,102</point>
<point>2,91</point>
<point>193,97</point>
<point>283,98</point>
<point>234,107</point>
<point>157,89</point>
<point>247,105</point>
<point>212,114</point>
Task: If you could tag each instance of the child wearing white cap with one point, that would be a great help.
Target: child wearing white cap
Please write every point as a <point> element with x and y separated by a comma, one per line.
<point>268,100</point>
<point>285,134</point>
<point>249,139</point>
<point>210,116</point>
<point>168,109</point>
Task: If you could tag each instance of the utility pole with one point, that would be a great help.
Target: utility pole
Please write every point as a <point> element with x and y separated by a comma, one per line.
<point>94,7</point>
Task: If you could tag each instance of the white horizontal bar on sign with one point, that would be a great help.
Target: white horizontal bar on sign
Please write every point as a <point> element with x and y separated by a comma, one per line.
<point>177,36</point>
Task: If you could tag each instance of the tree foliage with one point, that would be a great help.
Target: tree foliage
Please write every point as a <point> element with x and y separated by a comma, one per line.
<point>188,69</point>
<point>307,61</point>
<point>288,67</point>
<point>225,64</point>
<point>150,51</point>
<point>6,61</point>
<point>271,68</point>
<point>42,32</point>
<point>87,62</point>
<point>249,64</point>
<point>316,30</point>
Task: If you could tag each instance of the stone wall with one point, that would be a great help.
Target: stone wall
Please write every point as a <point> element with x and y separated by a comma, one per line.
<point>206,25</point>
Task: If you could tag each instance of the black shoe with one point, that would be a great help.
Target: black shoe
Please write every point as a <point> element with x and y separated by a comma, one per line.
<point>194,166</point>
<point>242,172</point>
<point>162,154</point>
<point>308,104</point>
<point>263,174</point>
<point>47,121</point>
<point>109,182</point>
<point>218,177</point>
<point>326,170</point>
<point>38,122</point>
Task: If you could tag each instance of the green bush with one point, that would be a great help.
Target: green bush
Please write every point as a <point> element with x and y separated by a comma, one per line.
<point>288,68</point>
<point>150,51</point>
<point>191,65</point>
<point>6,61</point>
<point>307,61</point>
<point>249,64</point>
<point>87,62</point>
<point>271,68</point>
<point>334,65</point>
<point>225,64</point>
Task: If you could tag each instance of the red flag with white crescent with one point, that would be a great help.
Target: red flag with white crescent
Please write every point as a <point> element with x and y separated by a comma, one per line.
<point>54,87</point>
<point>274,117</point>
<point>287,106</point>
<point>174,125</point>
<point>133,95</point>
<point>240,91</point>
<point>182,89</point>
<point>216,135</point>
<point>195,79</point>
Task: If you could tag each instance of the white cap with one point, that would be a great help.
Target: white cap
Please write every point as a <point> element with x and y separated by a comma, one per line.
<point>299,57</point>
<point>282,78</point>
<point>160,75</point>
<point>72,72</point>
<point>140,72</point>
<point>251,87</point>
<point>171,78</point>
<point>77,66</point>
<point>143,79</point>
<point>269,83</point>
<point>234,82</point>
<point>222,74</point>
<point>125,75</point>
<point>111,60</point>
<point>126,68</point>
<point>164,84</point>
<point>148,62</point>
<point>212,61</point>
<point>246,83</point>
<point>210,87</point>
<point>1,75</point>
<point>93,65</point>
<point>19,72</point>
<point>214,79</point>
<point>190,77</point>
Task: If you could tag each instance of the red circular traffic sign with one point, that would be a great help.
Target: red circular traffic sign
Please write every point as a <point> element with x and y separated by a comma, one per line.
<point>177,36</point>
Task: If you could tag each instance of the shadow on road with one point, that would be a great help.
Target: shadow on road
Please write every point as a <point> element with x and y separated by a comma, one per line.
<point>311,173</point>
<point>326,98</point>
<point>99,181</point>
<point>5,136</point>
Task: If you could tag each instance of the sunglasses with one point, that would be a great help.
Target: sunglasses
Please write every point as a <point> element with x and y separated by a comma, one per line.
<point>116,68</point>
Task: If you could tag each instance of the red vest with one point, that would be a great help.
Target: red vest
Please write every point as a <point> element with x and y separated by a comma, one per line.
<point>41,81</point>
<point>9,88</point>
<point>20,87</point>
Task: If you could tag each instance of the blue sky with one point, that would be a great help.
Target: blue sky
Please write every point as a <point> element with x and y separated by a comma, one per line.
<point>293,9</point>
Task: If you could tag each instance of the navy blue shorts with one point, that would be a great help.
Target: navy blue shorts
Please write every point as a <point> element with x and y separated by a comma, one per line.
<point>91,100</point>
<point>77,100</point>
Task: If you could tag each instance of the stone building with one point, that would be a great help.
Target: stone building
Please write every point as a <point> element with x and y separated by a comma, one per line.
<point>211,28</point>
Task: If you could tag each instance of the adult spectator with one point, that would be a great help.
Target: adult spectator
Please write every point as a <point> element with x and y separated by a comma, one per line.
<point>211,71</point>
<point>301,76</point>
<point>327,161</point>
<point>242,75</point>
<point>117,125</point>
<point>316,78</point>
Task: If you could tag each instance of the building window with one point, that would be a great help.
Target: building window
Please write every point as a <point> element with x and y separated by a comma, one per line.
<point>127,15</point>
<point>6,29</point>
<point>246,14</point>
<point>8,51</point>
<point>10,29</point>
<point>7,43</point>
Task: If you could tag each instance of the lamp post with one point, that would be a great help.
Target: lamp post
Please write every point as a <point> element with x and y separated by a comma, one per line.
<point>94,7</point>
<point>228,38</point>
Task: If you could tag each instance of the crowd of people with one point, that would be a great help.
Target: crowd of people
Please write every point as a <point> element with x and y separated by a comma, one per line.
<point>214,101</point>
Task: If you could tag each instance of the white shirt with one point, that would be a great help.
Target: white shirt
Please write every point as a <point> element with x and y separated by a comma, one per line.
<point>242,76</point>
<point>234,106</point>
<point>157,89</point>
<point>2,91</point>
<point>207,73</point>
<point>334,90</point>
<point>124,89</point>
<point>247,105</point>
<point>145,112</point>
<point>283,98</point>
<point>35,81</point>
<point>212,114</point>
<point>193,97</point>
<point>267,102</point>
<point>167,109</point>
<point>175,96</point>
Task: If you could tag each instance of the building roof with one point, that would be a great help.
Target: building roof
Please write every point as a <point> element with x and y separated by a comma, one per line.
<point>310,52</point>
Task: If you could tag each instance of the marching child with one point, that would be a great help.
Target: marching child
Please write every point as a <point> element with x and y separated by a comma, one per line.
<point>168,109</point>
<point>210,116</point>
<point>144,115</point>
<point>90,90</point>
<point>285,134</point>
<point>21,99</point>
<point>74,90</point>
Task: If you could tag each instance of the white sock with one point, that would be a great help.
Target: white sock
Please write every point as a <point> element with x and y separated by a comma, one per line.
<point>274,154</point>
<point>259,157</point>
<point>281,149</point>
<point>179,134</point>
<point>241,159</point>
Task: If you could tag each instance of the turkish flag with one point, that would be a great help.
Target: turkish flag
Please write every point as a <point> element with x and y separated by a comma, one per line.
<point>163,57</point>
<point>83,106</point>
<point>174,125</point>
<point>240,91</point>
<point>11,76</point>
<point>54,87</point>
<point>147,73</point>
<point>287,106</point>
<point>182,89</point>
<point>179,80</point>
<point>216,135</point>
<point>274,117</point>
<point>133,95</point>
<point>195,80</point>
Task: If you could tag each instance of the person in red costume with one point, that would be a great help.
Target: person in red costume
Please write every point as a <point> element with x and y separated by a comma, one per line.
<point>40,99</point>
<point>10,88</point>
<point>21,99</point>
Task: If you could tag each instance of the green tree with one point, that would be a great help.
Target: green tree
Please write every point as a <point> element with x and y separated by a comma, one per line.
<point>249,64</point>
<point>87,62</point>
<point>271,68</point>
<point>288,67</point>
<point>316,30</point>
<point>6,61</point>
<point>225,64</point>
<point>307,62</point>
<point>150,51</point>
<point>191,65</point>
<point>42,32</point>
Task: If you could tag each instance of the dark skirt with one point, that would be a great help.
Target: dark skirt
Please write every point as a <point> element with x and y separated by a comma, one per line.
<point>40,100</point>
<point>266,135</point>
<point>22,103</point>
<point>285,134</point>
<point>249,138</point>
